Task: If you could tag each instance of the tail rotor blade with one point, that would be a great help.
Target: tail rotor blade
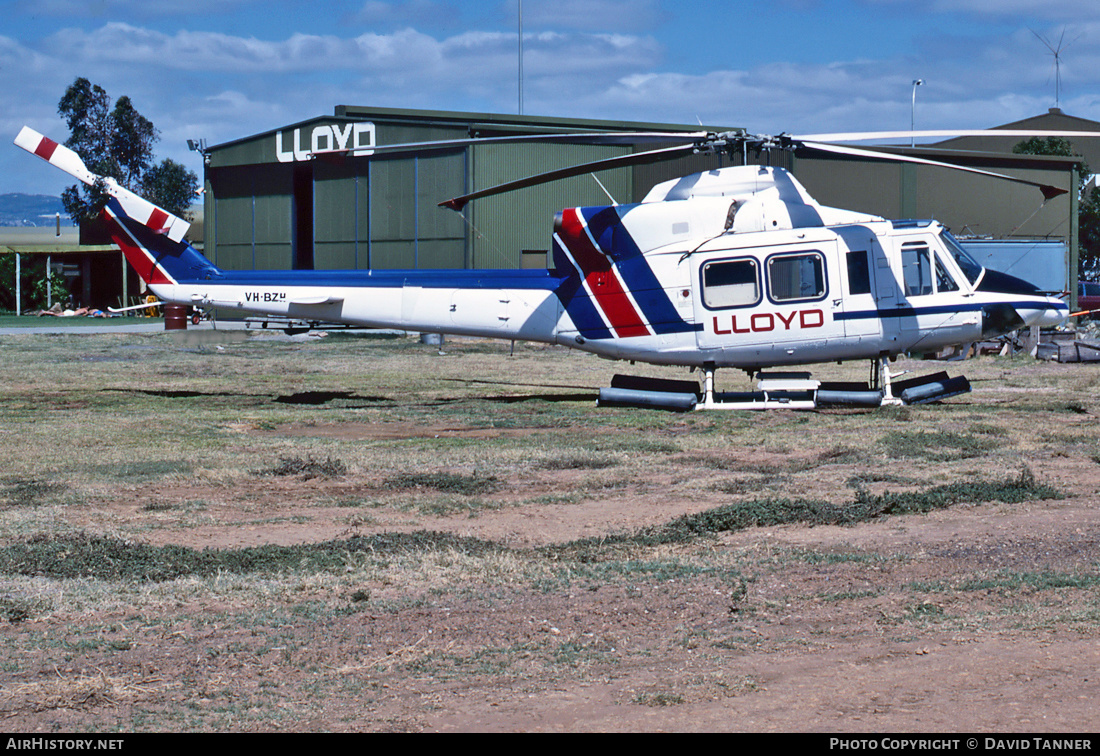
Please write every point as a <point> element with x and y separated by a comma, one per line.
<point>55,154</point>
<point>140,209</point>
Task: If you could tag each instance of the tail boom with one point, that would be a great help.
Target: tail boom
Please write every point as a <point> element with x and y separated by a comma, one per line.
<point>604,293</point>
<point>520,305</point>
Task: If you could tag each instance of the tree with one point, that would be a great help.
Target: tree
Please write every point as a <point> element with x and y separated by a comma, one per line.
<point>1088,234</point>
<point>171,186</point>
<point>1044,146</point>
<point>132,138</point>
<point>118,142</point>
<point>85,108</point>
<point>1058,146</point>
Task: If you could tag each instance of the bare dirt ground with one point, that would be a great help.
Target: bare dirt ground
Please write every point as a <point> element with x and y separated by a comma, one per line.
<point>980,617</point>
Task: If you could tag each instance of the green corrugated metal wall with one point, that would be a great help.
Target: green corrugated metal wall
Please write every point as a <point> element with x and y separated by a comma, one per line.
<point>507,224</point>
<point>383,212</point>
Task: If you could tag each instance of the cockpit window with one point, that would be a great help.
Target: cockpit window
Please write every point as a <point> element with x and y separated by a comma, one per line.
<point>969,266</point>
<point>944,281</point>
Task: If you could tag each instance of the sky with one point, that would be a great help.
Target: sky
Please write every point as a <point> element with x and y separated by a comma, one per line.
<point>222,70</point>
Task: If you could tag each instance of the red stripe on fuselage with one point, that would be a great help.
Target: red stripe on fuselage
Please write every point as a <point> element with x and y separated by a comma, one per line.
<point>604,285</point>
<point>136,255</point>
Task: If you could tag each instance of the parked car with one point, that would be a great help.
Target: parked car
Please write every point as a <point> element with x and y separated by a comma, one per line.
<point>1088,296</point>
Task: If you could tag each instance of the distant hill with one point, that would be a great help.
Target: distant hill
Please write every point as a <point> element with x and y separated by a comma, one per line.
<point>31,210</point>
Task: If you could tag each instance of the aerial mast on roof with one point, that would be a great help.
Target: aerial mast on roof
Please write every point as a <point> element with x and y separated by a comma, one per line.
<point>1056,51</point>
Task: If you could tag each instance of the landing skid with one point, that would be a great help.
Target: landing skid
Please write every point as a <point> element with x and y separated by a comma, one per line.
<point>783,390</point>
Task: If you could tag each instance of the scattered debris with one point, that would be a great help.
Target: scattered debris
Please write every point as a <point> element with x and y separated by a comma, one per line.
<point>1080,345</point>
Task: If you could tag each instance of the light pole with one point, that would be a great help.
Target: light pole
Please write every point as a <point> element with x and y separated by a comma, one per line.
<point>913,112</point>
<point>521,57</point>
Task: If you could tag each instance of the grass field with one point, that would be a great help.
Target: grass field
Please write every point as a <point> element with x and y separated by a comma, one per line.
<point>224,531</point>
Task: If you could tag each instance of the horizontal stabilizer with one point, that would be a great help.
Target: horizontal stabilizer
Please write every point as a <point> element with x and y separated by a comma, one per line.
<point>137,208</point>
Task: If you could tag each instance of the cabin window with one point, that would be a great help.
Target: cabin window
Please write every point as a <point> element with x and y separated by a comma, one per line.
<point>859,273</point>
<point>731,283</point>
<point>916,264</point>
<point>794,278</point>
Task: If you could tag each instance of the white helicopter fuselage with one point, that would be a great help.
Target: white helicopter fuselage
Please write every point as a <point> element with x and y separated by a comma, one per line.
<point>735,267</point>
<point>738,267</point>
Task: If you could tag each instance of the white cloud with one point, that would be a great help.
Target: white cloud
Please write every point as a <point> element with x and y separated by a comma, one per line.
<point>118,42</point>
<point>410,12</point>
<point>407,51</point>
<point>134,9</point>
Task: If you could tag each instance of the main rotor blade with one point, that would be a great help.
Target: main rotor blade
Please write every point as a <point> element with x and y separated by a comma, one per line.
<point>639,158</point>
<point>1048,191</point>
<point>866,136</point>
<point>623,138</point>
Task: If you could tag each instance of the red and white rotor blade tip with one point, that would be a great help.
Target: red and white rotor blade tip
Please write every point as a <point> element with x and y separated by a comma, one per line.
<point>138,208</point>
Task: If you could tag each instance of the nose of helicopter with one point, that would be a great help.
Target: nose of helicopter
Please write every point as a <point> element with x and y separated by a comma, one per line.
<point>1048,312</point>
<point>1043,311</point>
<point>1029,306</point>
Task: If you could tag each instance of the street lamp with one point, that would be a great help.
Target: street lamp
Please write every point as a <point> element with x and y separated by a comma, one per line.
<point>913,112</point>
<point>521,57</point>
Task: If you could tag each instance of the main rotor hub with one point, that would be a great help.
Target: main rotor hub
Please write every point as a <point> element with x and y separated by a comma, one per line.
<point>731,142</point>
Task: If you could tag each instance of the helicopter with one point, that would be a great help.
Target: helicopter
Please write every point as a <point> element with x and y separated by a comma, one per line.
<point>738,267</point>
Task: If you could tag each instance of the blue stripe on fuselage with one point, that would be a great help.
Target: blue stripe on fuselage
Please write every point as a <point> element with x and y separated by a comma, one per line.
<point>429,279</point>
<point>579,306</point>
<point>573,297</point>
<point>909,311</point>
